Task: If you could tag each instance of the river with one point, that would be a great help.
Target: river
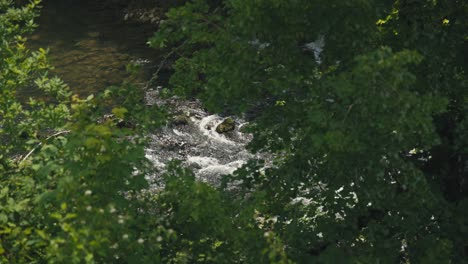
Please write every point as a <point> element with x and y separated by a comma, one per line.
<point>90,44</point>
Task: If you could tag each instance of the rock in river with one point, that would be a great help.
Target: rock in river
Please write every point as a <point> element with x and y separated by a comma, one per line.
<point>180,120</point>
<point>227,125</point>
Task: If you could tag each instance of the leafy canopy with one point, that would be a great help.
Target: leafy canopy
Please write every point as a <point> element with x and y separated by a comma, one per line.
<point>72,176</point>
<point>368,134</point>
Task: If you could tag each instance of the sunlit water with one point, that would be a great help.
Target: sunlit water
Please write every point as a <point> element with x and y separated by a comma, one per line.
<point>208,153</point>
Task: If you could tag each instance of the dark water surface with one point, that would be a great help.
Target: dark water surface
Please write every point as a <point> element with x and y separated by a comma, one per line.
<point>90,44</point>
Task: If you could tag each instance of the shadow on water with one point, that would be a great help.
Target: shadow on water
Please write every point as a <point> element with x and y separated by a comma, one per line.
<point>90,45</point>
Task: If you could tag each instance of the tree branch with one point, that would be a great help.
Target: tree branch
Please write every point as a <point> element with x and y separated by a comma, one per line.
<point>40,143</point>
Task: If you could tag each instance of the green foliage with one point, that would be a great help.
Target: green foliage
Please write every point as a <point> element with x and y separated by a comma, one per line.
<point>368,136</point>
<point>368,140</point>
<point>70,180</point>
<point>209,227</point>
<point>72,177</point>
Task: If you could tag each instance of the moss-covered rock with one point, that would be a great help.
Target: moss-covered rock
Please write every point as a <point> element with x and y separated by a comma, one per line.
<point>227,125</point>
<point>180,120</point>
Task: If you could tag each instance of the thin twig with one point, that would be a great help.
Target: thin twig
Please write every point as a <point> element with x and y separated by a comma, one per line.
<point>161,64</point>
<point>40,143</point>
<point>347,112</point>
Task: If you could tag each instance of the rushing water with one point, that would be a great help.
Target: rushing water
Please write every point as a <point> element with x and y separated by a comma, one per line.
<point>208,153</point>
<point>90,45</point>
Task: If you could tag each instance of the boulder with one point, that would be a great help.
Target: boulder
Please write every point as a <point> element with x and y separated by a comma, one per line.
<point>227,125</point>
<point>180,120</point>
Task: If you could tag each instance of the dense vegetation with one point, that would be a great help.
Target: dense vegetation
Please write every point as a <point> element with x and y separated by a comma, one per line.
<point>369,138</point>
<point>369,135</point>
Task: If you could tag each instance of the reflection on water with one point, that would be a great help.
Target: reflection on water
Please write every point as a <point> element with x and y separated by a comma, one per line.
<point>89,44</point>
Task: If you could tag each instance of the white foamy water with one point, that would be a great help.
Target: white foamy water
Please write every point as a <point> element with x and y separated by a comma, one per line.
<point>203,161</point>
<point>197,144</point>
<point>208,127</point>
